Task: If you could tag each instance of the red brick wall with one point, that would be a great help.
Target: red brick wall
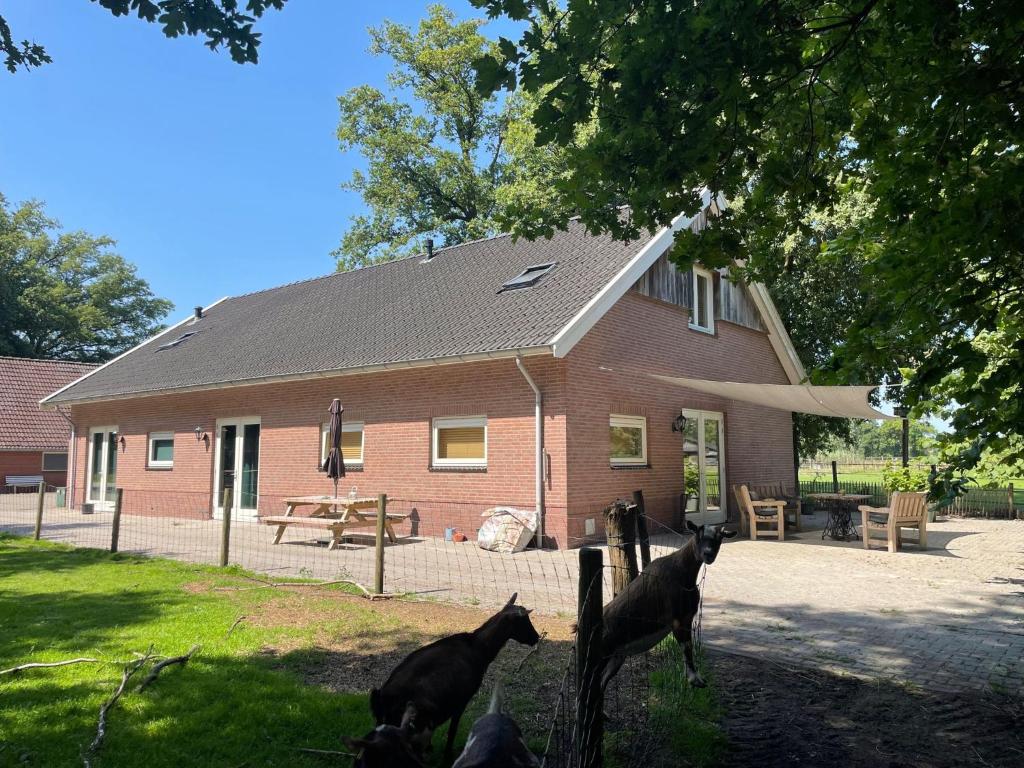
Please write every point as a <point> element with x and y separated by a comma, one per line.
<point>27,463</point>
<point>396,408</point>
<point>606,374</point>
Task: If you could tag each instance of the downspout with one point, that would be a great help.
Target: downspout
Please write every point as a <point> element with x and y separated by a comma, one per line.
<point>72,460</point>
<point>539,416</point>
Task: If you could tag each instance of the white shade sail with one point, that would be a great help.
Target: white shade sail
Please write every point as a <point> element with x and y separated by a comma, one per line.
<point>848,402</point>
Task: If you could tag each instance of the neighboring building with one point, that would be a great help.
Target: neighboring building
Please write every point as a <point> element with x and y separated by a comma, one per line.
<point>432,357</point>
<point>33,442</point>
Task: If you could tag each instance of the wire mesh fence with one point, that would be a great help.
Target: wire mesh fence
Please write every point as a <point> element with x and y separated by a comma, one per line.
<point>1001,503</point>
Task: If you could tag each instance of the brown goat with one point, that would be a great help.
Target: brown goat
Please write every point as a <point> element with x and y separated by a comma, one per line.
<point>663,598</point>
<point>441,678</point>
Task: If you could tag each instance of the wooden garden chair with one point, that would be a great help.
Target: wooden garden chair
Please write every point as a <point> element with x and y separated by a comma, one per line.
<point>905,510</point>
<point>776,492</point>
<point>754,513</point>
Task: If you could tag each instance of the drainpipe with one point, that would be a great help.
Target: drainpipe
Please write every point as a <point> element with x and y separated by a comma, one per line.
<point>70,493</point>
<point>539,416</point>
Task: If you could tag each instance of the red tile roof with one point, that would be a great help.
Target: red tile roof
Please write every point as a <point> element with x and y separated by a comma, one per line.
<point>23,383</point>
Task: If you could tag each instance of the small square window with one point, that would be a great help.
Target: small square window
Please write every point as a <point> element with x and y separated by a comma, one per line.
<point>702,317</point>
<point>351,443</point>
<point>161,450</point>
<point>528,277</point>
<point>55,462</point>
<point>460,442</point>
<point>628,440</point>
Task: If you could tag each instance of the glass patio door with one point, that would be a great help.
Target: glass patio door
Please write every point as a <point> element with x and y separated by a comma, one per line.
<point>237,467</point>
<point>704,467</point>
<point>102,468</point>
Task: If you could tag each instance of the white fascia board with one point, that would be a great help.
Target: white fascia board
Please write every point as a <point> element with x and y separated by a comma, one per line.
<point>778,336</point>
<point>567,338</point>
<point>45,402</point>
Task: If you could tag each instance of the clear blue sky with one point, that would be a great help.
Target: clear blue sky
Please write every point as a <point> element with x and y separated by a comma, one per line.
<point>215,178</point>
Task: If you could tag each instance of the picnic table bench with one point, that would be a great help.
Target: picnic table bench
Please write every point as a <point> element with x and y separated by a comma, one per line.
<point>23,481</point>
<point>334,514</point>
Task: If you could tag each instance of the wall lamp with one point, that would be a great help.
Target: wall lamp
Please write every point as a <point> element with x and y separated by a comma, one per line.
<point>679,423</point>
<point>200,435</point>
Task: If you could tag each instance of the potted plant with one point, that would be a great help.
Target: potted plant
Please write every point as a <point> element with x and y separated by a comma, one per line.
<point>907,479</point>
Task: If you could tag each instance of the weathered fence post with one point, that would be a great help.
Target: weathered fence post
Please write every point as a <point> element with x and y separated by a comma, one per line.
<point>40,501</point>
<point>1012,502</point>
<point>835,478</point>
<point>382,517</point>
<point>115,526</point>
<point>589,631</point>
<point>225,529</point>
<point>620,531</point>
<point>641,528</point>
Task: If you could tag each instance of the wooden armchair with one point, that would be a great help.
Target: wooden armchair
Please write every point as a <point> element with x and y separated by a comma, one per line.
<point>905,510</point>
<point>753,513</point>
<point>776,492</point>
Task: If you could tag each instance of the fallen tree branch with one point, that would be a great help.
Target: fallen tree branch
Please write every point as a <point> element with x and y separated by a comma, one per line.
<point>40,664</point>
<point>325,752</point>
<point>530,652</point>
<point>366,593</point>
<point>238,621</point>
<point>101,727</point>
<point>157,668</point>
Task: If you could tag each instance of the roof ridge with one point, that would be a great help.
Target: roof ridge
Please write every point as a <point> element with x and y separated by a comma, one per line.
<point>47,360</point>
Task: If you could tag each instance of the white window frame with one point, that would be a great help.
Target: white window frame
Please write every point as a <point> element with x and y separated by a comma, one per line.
<point>42,464</point>
<point>154,463</point>
<point>346,426</point>
<point>447,422</point>
<point>694,314</point>
<point>631,422</point>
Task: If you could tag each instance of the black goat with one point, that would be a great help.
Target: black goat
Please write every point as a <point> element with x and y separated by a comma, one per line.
<point>388,746</point>
<point>663,598</point>
<point>495,741</point>
<point>441,678</point>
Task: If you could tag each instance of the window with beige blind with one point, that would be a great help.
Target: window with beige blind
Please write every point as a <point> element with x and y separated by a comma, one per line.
<point>460,442</point>
<point>351,443</point>
<point>628,438</point>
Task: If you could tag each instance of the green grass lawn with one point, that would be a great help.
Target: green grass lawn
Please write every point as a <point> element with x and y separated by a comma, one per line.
<point>246,698</point>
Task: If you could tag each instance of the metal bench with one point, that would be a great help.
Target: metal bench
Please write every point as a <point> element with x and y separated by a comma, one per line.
<point>23,481</point>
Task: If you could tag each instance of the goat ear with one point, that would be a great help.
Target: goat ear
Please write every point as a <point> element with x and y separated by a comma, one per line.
<point>692,527</point>
<point>409,717</point>
<point>512,600</point>
<point>728,534</point>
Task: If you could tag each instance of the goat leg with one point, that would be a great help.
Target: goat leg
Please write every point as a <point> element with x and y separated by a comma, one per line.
<point>683,633</point>
<point>453,730</point>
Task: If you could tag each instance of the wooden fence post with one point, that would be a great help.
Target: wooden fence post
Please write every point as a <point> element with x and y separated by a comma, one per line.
<point>641,528</point>
<point>1012,502</point>
<point>620,531</point>
<point>115,526</point>
<point>589,631</point>
<point>382,517</point>
<point>225,529</point>
<point>40,501</point>
<point>835,478</point>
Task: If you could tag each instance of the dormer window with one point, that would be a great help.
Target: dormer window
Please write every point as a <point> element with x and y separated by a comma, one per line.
<point>702,317</point>
<point>177,341</point>
<point>528,277</point>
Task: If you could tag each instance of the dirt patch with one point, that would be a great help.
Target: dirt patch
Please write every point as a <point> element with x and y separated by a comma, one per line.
<point>776,717</point>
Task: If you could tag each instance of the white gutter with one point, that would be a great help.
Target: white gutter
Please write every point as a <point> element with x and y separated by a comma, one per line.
<point>474,357</point>
<point>539,416</point>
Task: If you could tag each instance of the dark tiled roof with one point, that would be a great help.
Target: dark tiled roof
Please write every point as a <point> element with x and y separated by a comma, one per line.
<point>401,311</point>
<point>23,383</point>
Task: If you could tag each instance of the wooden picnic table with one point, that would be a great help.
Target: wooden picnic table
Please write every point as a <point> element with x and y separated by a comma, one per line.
<point>335,514</point>
<point>840,513</point>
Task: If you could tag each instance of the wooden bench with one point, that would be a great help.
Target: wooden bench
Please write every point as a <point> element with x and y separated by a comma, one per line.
<point>23,481</point>
<point>336,515</point>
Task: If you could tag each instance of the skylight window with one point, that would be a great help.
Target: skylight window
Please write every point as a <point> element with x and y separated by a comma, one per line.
<point>528,277</point>
<point>177,341</point>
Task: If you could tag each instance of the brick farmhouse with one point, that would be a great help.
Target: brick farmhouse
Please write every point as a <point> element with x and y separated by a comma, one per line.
<point>442,362</point>
<point>33,442</point>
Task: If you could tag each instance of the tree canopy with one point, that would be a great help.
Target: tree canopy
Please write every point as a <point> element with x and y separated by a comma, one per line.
<point>66,294</point>
<point>778,105</point>
<point>219,21</point>
<point>441,159</point>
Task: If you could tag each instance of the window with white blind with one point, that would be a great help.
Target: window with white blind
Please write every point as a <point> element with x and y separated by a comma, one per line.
<point>628,440</point>
<point>460,442</point>
<point>161,450</point>
<point>351,443</point>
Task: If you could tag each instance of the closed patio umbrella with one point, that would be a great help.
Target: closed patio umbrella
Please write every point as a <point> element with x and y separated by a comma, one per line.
<point>334,464</point>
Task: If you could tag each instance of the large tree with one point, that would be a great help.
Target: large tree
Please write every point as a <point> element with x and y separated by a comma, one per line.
<point>441,160</point>
<point>778,103</point>
<point>66,294</point>
<point>221,22</point>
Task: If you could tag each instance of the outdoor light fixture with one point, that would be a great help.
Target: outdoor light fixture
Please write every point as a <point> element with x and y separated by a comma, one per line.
<point>679,424</point>
<point>902,411</point>
<point>200,435</point>
<point>123,442</point>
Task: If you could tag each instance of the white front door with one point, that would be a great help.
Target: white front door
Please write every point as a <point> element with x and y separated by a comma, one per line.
<point>704,467</point>
<point>102,468</point>
<point>237,467</point>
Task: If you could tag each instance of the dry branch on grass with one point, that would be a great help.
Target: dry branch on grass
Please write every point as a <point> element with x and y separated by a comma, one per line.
<point>40,665</point>
<point>237,621</point>
<point>101,727</point>
<point>264,584</point>
<point>157,668</point>
<point>325,752</point>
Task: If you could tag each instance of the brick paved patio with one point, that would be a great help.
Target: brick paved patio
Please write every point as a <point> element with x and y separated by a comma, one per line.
<point>950,618</point>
